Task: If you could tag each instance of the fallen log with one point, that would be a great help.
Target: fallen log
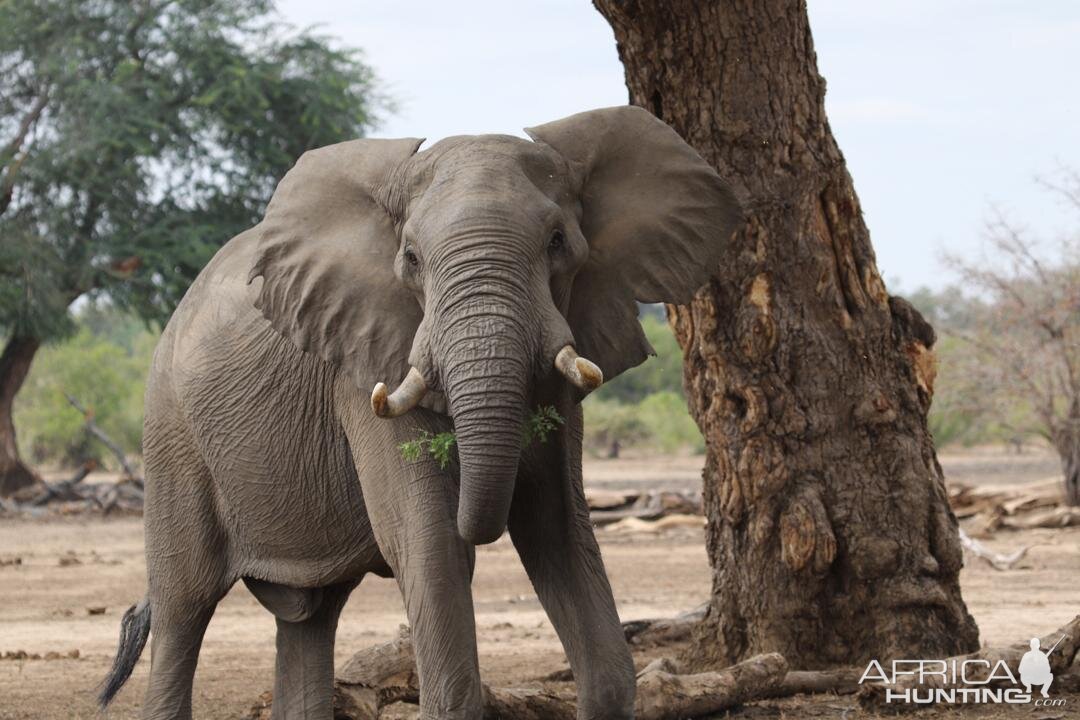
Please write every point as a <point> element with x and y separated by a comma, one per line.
<point>969,500</point>
<point>659,525</point>
<point>376,677</point>
<point>609,499</point>
<point>383,679</point>
<point>1064,642</point>
<point>840,681</point>
<point>526,704</point>
<point>604,509</point>
<point>66,489</point>
<point>662,695</point>
<point>662,631</point>
<point>1057,517</point>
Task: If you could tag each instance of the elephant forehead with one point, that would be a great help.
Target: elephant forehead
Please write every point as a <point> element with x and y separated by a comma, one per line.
<point>497,160</point>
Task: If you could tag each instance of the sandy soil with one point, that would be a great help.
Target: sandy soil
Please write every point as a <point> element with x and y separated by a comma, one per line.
<point>69,565</point>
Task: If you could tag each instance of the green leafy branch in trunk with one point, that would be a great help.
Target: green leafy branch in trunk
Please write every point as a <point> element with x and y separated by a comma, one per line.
<point>438,446</point>
<point>539,426</point>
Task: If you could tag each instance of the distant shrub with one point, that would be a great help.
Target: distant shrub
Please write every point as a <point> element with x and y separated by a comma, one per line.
<point>645,406</point>
<point>659,422</point>
<point>610,426</point>
<point>662,373</point>
<point>669,422</point>
<point>961,413</point>
<point>104,376</point>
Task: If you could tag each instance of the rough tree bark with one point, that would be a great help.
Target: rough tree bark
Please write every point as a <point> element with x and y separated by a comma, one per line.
<point>830,535</point>
<point>14,366</point>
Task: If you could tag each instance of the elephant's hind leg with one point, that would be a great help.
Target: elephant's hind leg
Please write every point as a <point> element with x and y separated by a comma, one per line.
<point>176,630</point>
<point>187,562</point>
<point>304,669</point>
<point>188,576</point>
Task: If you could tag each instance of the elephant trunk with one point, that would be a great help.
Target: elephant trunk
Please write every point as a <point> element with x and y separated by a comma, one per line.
<point>487,367</point>
<point>489,448</point>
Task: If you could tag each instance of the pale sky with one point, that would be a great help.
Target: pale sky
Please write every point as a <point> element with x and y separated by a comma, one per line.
<point>944,109</point>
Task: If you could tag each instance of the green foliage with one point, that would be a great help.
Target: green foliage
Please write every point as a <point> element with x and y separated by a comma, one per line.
<point>968,408</point>
<point>439,446</point>
<point>670,425</point>
<point>645,406</point>
<point>107,377</point>
<point>660,421</point>
<point>540,424</point>
<point>610,425</point>
<point>139,136</point>
<point>662,373</point>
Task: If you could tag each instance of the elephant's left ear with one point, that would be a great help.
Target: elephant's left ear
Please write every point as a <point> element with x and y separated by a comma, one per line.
<point>326,252</point>
<point>657,219</point>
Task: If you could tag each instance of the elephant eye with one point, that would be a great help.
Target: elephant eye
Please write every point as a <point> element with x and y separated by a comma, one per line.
<point>410,257</point>
<point>558,240</point>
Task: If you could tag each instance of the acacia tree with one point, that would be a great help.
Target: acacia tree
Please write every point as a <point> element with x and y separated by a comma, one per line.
<point>1025,339</point>
<point>829,531</point>
<point>135,137</point>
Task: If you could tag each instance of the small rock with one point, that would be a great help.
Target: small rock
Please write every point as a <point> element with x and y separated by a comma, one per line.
<point>73,654</point>
<point>52,655</point>
<point>96,610</point>
<point>400,711</point>
<point>10,561</point>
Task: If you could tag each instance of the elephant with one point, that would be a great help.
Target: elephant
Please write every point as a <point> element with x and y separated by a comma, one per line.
<point>492,275</point>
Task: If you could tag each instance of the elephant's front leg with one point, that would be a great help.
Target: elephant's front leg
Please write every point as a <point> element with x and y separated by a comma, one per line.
<point>409,505</point>
<point>549,524</point>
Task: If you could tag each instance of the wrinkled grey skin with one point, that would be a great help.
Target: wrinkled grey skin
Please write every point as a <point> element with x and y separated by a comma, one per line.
<point>265,462</point>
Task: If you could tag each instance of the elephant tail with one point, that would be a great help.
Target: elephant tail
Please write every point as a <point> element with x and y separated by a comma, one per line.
<point>134,629</point>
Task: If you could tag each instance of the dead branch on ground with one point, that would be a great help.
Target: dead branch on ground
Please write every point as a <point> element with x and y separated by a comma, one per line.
<point>993,559</point>
<point>103,437</point>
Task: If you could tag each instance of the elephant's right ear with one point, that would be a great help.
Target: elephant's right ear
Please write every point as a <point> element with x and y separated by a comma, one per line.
<point>326,253</point>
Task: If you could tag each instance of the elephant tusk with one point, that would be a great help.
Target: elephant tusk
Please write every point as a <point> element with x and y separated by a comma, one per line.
<point>582,374</point>
<point>408,395</point>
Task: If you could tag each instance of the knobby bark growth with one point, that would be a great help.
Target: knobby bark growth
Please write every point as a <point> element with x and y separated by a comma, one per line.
<point>830,535</point>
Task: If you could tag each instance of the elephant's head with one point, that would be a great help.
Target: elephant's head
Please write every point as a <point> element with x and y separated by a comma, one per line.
<point>476,268</point>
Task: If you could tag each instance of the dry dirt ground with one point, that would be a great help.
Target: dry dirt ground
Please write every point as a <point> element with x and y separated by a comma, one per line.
<point>70,565</point>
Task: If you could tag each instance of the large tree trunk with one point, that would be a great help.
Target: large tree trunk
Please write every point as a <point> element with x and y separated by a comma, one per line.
<point>1070,466</point>
<point>1065,436</point>
<point>14,365</point>
<point>830,535</point>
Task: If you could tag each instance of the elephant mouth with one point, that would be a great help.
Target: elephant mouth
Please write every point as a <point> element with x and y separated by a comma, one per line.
<point>487,406</point>
<point>413,391</point>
